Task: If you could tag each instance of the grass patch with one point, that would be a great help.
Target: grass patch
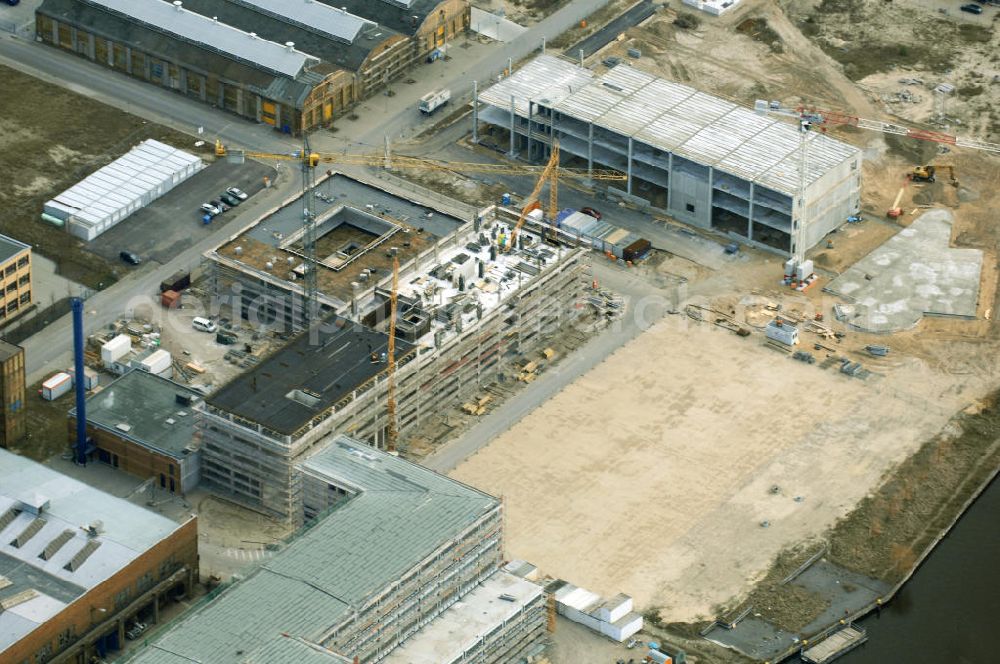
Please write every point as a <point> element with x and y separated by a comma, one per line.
<point>50,138</point>
<point>47,425</point>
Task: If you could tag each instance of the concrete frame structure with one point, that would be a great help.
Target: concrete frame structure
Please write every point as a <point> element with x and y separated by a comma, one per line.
<point>15,278</point>
<point>463,341</point>
<point>698,158</point>
<point>77,565</point>
<point>394,547</point>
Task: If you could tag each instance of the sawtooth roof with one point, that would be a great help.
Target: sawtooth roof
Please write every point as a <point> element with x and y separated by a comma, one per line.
<point>278,614</point>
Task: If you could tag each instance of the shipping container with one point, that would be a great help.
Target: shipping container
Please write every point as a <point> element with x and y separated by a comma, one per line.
<point>91,379</point>
<point>116,349</point>
<point>158,362</point>
<point>56,386</point>
<point>169,299</point>
<point>176,282</point>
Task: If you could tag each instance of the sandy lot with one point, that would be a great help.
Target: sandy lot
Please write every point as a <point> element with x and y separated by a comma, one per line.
<point>623,481</point>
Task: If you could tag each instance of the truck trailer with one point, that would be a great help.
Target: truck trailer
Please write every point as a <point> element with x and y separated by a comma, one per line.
<point>432,101</point>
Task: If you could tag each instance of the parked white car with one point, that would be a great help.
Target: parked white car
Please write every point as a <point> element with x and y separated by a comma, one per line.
<point>203,324</point>
<point>233,191</point>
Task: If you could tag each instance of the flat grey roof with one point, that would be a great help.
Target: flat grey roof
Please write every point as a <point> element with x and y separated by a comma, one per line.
<point>300,381</point>
<point>674,118</point>
<point>127,532</point>
<point>147,404</point>
<point>10,247</point>
<point>402,514</point>
<point>461,627</point>
<point>313,16</point>
<point>202,30</point>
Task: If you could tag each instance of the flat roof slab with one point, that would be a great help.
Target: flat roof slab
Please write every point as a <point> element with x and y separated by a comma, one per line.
<point>914,274</point>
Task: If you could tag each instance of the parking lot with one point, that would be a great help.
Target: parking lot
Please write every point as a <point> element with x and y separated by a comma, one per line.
<point>173,223</point>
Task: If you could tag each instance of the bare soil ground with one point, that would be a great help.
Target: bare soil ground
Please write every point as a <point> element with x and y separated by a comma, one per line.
<point>522,12</point>
<point>636,470</point>
<point>651,474</point>
<point>50,138</point>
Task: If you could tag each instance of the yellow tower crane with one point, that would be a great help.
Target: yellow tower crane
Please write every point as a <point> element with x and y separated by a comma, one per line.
<point>374,160</point>
<point>549,174</point>
<point>392,433</point>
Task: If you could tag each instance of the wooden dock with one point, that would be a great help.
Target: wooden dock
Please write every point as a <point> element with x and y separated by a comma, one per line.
<point>835,645</point>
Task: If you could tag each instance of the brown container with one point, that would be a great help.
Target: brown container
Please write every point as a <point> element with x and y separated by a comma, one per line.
<point>170,299</point>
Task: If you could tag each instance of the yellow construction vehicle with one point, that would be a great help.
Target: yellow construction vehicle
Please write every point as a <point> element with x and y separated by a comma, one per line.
<point>928,173</point>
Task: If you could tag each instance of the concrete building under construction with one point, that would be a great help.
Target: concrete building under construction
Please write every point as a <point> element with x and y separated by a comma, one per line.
<point>467,312</point>
<point>396,556</point>
<point>703,160</point>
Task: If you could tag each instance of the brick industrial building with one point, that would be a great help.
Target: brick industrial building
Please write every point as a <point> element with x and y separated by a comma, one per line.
<point>12,402</point>
<point>144,425</point>
<point>292,64</point>
<point>395,549</point>
<point>77,565</point>
<point>15,278</point>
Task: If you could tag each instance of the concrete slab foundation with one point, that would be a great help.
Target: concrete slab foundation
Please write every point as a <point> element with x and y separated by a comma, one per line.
<point>914,274</point>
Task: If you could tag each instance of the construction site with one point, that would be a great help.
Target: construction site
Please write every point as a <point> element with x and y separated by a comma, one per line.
<point>694,317</point>
<point>464,307</point>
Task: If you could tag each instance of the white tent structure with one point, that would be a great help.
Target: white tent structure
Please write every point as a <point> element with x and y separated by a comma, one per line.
<point>127,184</point>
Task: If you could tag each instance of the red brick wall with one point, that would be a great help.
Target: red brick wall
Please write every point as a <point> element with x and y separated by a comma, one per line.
<point>181,547</point>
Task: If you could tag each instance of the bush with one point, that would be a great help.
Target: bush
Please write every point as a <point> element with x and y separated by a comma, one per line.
<point>687,21</point>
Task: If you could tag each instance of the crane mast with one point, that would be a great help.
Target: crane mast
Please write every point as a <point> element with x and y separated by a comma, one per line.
<point>392,431</point>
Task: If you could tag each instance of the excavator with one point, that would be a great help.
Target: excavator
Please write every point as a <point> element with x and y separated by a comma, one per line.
<point>928,174</point>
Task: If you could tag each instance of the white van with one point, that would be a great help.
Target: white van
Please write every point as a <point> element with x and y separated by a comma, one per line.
<point>203,324</point>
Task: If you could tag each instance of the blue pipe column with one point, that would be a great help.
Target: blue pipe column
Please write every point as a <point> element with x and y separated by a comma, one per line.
<point>80,380</point>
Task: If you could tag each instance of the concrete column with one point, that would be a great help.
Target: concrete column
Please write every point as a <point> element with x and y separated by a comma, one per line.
<point>55,32</point>
<point>74,39</point>
<point>221,94</point>
<point>531,114</point>
<point>121,633</point>
<point>259,109</point>
<point>202,89</point>
<point>91,49</point>
<point>277,116</point>
<point>750,215</point>
<point>128,59</point>
<point>183,79</point>
<point>513,119</point>
<point>628,183</point>
<point>239,101</point>
<point>711,193</point>
<point>670,176</point>
<point>590,149</point>
<point>475,111</point>
<point>156,609</point>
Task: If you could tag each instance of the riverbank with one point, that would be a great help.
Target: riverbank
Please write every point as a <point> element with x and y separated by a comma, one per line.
<point>866,557</point>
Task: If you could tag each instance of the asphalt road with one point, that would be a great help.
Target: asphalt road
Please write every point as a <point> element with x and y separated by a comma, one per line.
<point>173,223</point>
<point>602,37</point>
<point>398,118</point>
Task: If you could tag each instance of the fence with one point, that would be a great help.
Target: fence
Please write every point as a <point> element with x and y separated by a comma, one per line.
<point>23,30</point>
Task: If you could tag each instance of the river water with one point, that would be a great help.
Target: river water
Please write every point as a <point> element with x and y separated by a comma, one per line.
<point>949,610</point>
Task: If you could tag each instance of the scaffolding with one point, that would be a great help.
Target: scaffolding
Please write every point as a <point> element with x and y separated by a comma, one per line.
<point>245,461</point>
